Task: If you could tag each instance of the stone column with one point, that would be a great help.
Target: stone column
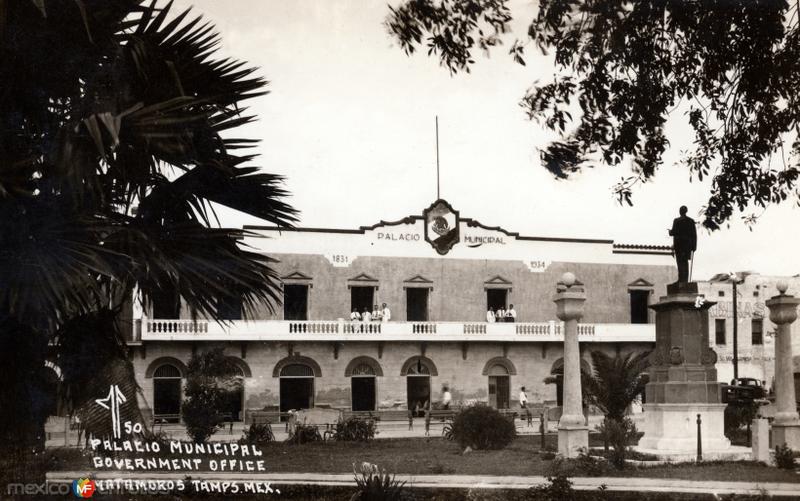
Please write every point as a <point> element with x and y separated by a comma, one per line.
<point>573,434</point>
<point>782,312</point>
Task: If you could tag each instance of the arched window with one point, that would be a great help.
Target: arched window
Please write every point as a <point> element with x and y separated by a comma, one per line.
<point>167,393</point>
<point>297,370</point>
<point>419,369</point>
<point>363,370</point>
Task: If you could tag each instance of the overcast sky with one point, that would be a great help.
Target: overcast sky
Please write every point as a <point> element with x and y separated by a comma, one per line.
<point>350,122</point>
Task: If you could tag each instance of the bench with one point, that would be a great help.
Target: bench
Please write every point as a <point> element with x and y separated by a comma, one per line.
<point>166,418</point>
<point>270,417</point>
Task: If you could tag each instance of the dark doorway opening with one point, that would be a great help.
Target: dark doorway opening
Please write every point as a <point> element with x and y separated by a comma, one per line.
<point>499,391</point>
<point>361,297</point>
<point>166,304</point>
<point>297,393</point>
<point>496,298</point>
<point>363,393</point>
<point>230,308</point>
<point>295,302</point>
<point>418,389</point>
<point>639,306</point>
<point>167,394</point>
<point>416,304</point>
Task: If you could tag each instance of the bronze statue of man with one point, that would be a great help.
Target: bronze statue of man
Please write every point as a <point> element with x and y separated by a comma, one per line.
<point>684,242</point>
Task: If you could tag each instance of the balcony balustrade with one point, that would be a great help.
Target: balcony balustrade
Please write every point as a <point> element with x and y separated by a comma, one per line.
<point>343,330</point>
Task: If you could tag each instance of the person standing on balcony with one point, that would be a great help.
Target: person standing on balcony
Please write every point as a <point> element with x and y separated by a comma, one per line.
<point>500,314</point>
<point>511,314</point>
<point>490,316</point>
<point>376,314</point>
<point>355,316</point>
<point>366,320</point>
<point>386,314</point>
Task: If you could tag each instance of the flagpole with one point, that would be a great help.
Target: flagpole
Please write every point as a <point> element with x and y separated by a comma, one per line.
<point>438,196</point>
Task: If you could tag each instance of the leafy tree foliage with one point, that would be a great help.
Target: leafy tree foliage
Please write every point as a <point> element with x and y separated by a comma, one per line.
<point>116,142</point>
<point>210,377</point>
<point>623,66</point>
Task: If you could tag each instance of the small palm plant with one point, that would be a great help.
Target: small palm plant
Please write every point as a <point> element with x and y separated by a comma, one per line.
<point>613,385</point>
<point>375,484</point>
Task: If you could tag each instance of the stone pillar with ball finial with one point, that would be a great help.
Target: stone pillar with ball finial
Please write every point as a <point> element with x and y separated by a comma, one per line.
<point>782,312</point>
<point>573,434</point>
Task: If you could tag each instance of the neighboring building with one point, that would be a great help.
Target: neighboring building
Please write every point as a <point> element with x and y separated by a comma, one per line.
<point>438,273</point>
<point>756,333</point>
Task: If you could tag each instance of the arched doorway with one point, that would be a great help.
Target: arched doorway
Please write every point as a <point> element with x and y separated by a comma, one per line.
<point>363,373</point>
<point>418,372</point>
<point>499,387</point>
<point>362,388</point>
<point>234,396</point>
<point>167,389</point>
<point>499,371</point>
<point>296,387</point>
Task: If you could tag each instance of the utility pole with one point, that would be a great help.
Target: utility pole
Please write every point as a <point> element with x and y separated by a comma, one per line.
<point>735,329</point>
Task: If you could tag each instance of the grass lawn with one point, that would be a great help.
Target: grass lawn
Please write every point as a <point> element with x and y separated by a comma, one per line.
<point>420,456</point>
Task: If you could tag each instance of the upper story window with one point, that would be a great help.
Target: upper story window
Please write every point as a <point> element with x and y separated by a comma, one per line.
<point>639,292</point>
<point>757,331</point>
<point>417,298</point>
<point>719,331</point>
<point>296,288</point>
<point>362,293</point>
<point>230,308</point>
<point>166,304</point>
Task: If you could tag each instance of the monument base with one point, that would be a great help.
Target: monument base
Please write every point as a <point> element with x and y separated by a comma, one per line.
<point>571,439</point>
<point>671,430</point>
<point>786,433</point>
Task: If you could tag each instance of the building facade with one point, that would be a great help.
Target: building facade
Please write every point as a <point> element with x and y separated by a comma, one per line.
<point>438,274</point>
<point>755,332</point>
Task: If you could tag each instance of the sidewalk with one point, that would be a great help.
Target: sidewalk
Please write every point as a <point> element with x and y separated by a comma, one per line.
<point>390,429</point>
<point>466,482</point>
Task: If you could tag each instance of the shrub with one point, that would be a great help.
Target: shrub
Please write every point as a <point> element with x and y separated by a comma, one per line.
<point>304,433</point>
<point>483,427</point>
<point>257,434</point>
<point>355,430</point>
<point>738,414</point>
<point>376,485</point>
<point>558,488</point>
<point>618,434</point>
<point>584,465</point>
<point>784,457</point>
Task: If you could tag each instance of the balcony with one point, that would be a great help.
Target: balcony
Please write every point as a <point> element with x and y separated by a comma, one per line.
<point>323,330</point>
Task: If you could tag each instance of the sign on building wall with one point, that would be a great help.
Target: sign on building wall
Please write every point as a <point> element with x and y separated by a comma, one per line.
<point>744,309</point>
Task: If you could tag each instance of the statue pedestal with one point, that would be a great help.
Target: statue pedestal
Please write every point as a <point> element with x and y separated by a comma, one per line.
<point>683,380</point>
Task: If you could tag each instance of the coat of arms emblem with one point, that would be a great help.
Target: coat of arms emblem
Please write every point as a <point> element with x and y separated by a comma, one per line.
<point>441,226</point>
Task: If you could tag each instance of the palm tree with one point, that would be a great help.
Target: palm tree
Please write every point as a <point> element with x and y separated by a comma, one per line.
<point>114,151</point>
<point>615,382</point>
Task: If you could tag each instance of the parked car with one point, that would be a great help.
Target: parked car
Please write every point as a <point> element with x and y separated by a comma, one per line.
<point>743,389</point>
